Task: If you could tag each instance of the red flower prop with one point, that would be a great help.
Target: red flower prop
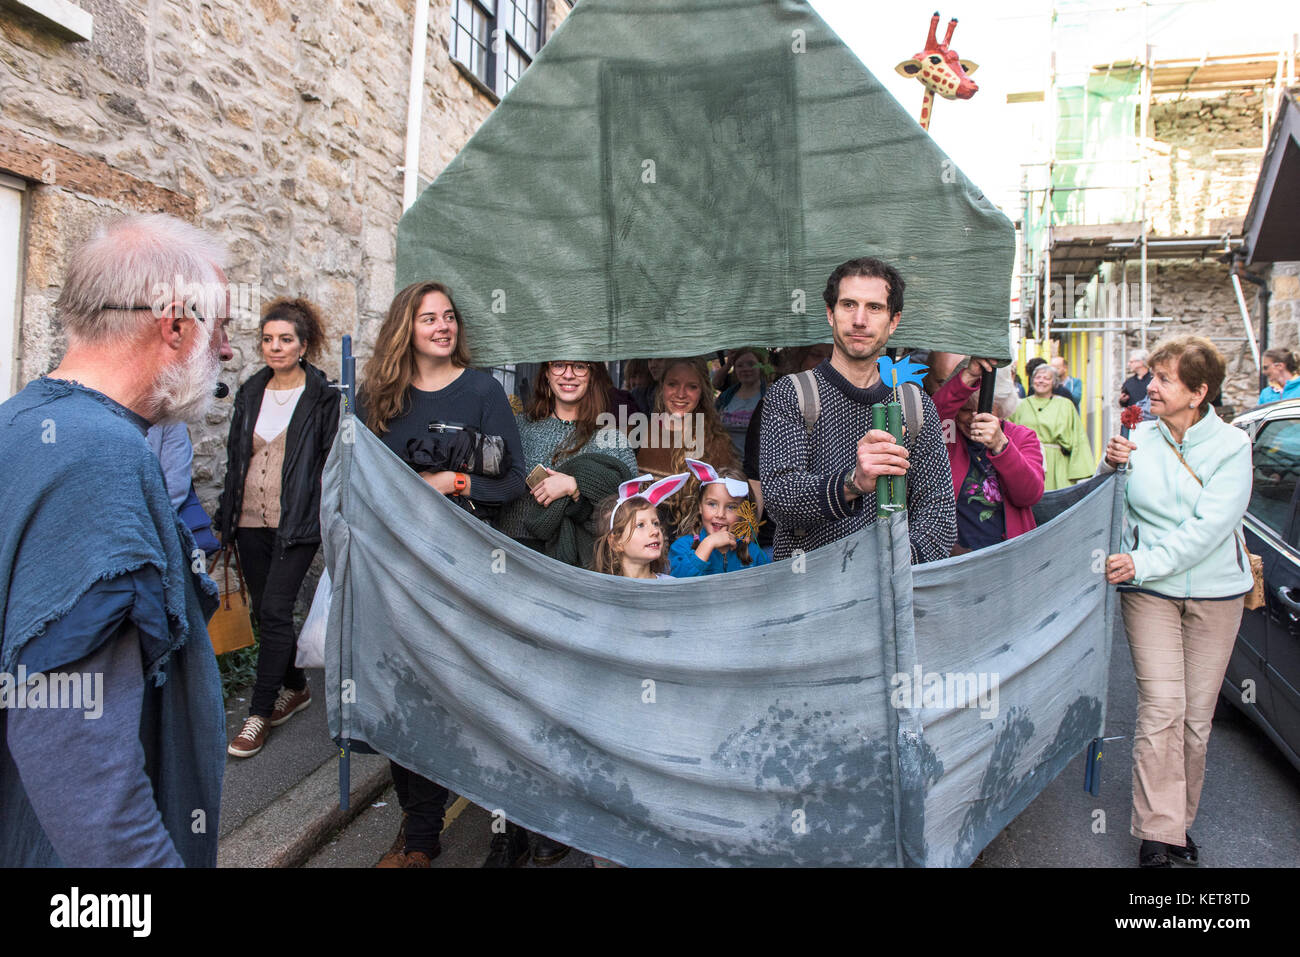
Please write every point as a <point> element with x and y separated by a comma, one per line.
<point>1131,416</point>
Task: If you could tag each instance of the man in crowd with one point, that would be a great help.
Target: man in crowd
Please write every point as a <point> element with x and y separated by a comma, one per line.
<point>1068,382</point>
<point>102,589</point>
<point>1134,389</point>
<point>821,486</point>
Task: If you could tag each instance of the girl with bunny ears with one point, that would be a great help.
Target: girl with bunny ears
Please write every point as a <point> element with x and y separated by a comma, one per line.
<point>633,546</point>
<point>707,544</point>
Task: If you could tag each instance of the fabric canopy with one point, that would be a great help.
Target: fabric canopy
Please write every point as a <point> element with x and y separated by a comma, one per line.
<point>672,177</point>
<point>752,718</point>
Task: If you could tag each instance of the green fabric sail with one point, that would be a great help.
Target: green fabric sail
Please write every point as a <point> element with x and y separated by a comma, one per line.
<point>672,177</point>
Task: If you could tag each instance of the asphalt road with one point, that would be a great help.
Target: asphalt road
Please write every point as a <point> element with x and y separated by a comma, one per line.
<point>1250,805</point>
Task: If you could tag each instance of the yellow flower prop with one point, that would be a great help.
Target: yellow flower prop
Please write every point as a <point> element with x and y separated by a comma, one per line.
<point>747,528</point>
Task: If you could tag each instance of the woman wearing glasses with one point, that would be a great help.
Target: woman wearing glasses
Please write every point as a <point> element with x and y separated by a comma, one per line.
<point>582,463</point>
<point>561,423</point>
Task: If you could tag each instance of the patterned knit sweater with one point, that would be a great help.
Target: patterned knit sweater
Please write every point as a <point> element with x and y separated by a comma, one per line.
<point>540,439</point>
<point>803,479</point>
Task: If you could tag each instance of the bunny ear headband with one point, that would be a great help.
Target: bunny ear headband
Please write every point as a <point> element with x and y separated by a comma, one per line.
<point>655,494</point>
<point>706,474</point>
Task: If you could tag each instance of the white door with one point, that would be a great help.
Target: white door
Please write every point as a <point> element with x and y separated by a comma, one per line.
<point>11,235</point>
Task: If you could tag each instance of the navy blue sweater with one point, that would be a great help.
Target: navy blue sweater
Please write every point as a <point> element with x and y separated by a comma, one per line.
<point>474,399</point>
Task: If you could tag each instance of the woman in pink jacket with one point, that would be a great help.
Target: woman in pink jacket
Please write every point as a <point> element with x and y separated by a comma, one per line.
<point>997,466</point>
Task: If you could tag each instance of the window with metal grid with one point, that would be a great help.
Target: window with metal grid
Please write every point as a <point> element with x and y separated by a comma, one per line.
<point>496,40</point>
<point>470,28</point>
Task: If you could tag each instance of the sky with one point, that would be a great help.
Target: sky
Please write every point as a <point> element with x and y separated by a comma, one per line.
<point>989,138</point>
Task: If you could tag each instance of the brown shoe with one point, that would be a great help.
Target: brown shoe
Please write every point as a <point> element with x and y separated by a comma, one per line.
<point>402,859</point>
<point>287,704</point>
<point>250,739</point>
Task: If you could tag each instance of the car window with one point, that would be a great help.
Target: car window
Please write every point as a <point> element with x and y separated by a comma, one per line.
<point>1277,465</point>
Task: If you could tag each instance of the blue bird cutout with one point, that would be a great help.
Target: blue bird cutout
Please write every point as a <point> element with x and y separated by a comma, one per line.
<point>894,374</point>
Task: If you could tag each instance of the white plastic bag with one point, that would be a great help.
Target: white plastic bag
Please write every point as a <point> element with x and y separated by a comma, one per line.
<point>311,641</point>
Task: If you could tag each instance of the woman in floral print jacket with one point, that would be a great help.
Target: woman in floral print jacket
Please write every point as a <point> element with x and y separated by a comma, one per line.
<point>997,466</point>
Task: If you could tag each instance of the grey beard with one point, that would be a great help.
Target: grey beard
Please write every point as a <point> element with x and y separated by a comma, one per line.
<point>183,392</point>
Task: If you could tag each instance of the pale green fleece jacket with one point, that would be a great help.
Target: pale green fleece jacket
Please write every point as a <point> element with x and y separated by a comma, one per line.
<point>1186,538</point>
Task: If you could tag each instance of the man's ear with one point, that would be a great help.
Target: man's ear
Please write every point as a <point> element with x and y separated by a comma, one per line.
<point>893,323</point>
<point>170,323</point>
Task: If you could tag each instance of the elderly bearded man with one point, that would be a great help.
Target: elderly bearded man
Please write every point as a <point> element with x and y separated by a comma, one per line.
<point>99,580</point>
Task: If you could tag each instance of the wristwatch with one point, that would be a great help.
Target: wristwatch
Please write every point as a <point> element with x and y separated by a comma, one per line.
<point>461,481</point>
<point>850,483</point>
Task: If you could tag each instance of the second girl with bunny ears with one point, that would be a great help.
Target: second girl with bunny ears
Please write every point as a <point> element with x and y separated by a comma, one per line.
<point>708,545</point>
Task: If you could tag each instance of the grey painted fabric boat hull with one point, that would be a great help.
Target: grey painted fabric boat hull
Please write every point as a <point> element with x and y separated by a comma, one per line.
<point>842,708</point>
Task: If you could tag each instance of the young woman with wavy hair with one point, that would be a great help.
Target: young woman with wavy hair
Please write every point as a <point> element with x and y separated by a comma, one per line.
<point>420,373</point>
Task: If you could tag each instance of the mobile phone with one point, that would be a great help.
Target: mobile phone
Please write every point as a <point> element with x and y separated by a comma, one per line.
<point>537,476</point>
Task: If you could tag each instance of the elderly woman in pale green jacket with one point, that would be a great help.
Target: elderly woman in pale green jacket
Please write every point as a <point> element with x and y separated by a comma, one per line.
<point>1183,573</point>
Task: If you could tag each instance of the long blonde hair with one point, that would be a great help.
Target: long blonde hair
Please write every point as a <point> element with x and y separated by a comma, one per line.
<point>391,367</point>
<point>606,558</point>
<point>718,449</point>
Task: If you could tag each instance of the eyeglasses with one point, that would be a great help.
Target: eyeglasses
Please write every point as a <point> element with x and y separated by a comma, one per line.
<point>580,369</point>
<point>195,314</point>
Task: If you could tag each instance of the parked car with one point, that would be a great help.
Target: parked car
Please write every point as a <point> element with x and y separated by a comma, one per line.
<point>1263,677</point>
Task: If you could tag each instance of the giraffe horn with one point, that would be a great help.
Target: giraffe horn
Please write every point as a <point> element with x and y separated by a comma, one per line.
<point>952,25</point>
<point>934,25</point>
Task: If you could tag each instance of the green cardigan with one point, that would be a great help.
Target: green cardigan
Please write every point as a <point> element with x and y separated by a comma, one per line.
<point>565,525</point>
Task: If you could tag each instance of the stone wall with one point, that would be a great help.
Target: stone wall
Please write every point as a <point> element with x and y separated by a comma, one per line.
<point>1284,306</point>
<point>280,128</point>
<point>1200,298</point>
<point>1193,192</point>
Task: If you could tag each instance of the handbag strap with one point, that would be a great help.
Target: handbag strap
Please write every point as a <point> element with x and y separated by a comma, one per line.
<point>1239,542</point>
<point>226,555</point>
<point>1180,458</point>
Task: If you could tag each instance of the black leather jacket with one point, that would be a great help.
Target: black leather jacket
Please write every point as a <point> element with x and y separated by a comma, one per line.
<point>307,445</point>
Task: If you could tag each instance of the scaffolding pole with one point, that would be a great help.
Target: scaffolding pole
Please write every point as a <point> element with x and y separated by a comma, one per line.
<point>1145,118</point>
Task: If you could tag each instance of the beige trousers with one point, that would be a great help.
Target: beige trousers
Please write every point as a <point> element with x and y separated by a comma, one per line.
<point>1180,653</point>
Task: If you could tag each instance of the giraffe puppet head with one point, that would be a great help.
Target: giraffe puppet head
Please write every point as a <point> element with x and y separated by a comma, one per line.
<point>939,68</point>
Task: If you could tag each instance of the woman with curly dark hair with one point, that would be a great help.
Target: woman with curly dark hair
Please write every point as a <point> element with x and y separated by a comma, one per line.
<point>280,434</point>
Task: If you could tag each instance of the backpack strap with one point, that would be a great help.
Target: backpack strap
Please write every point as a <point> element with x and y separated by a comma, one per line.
<point>810,405</point>
<point>809,398</point>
